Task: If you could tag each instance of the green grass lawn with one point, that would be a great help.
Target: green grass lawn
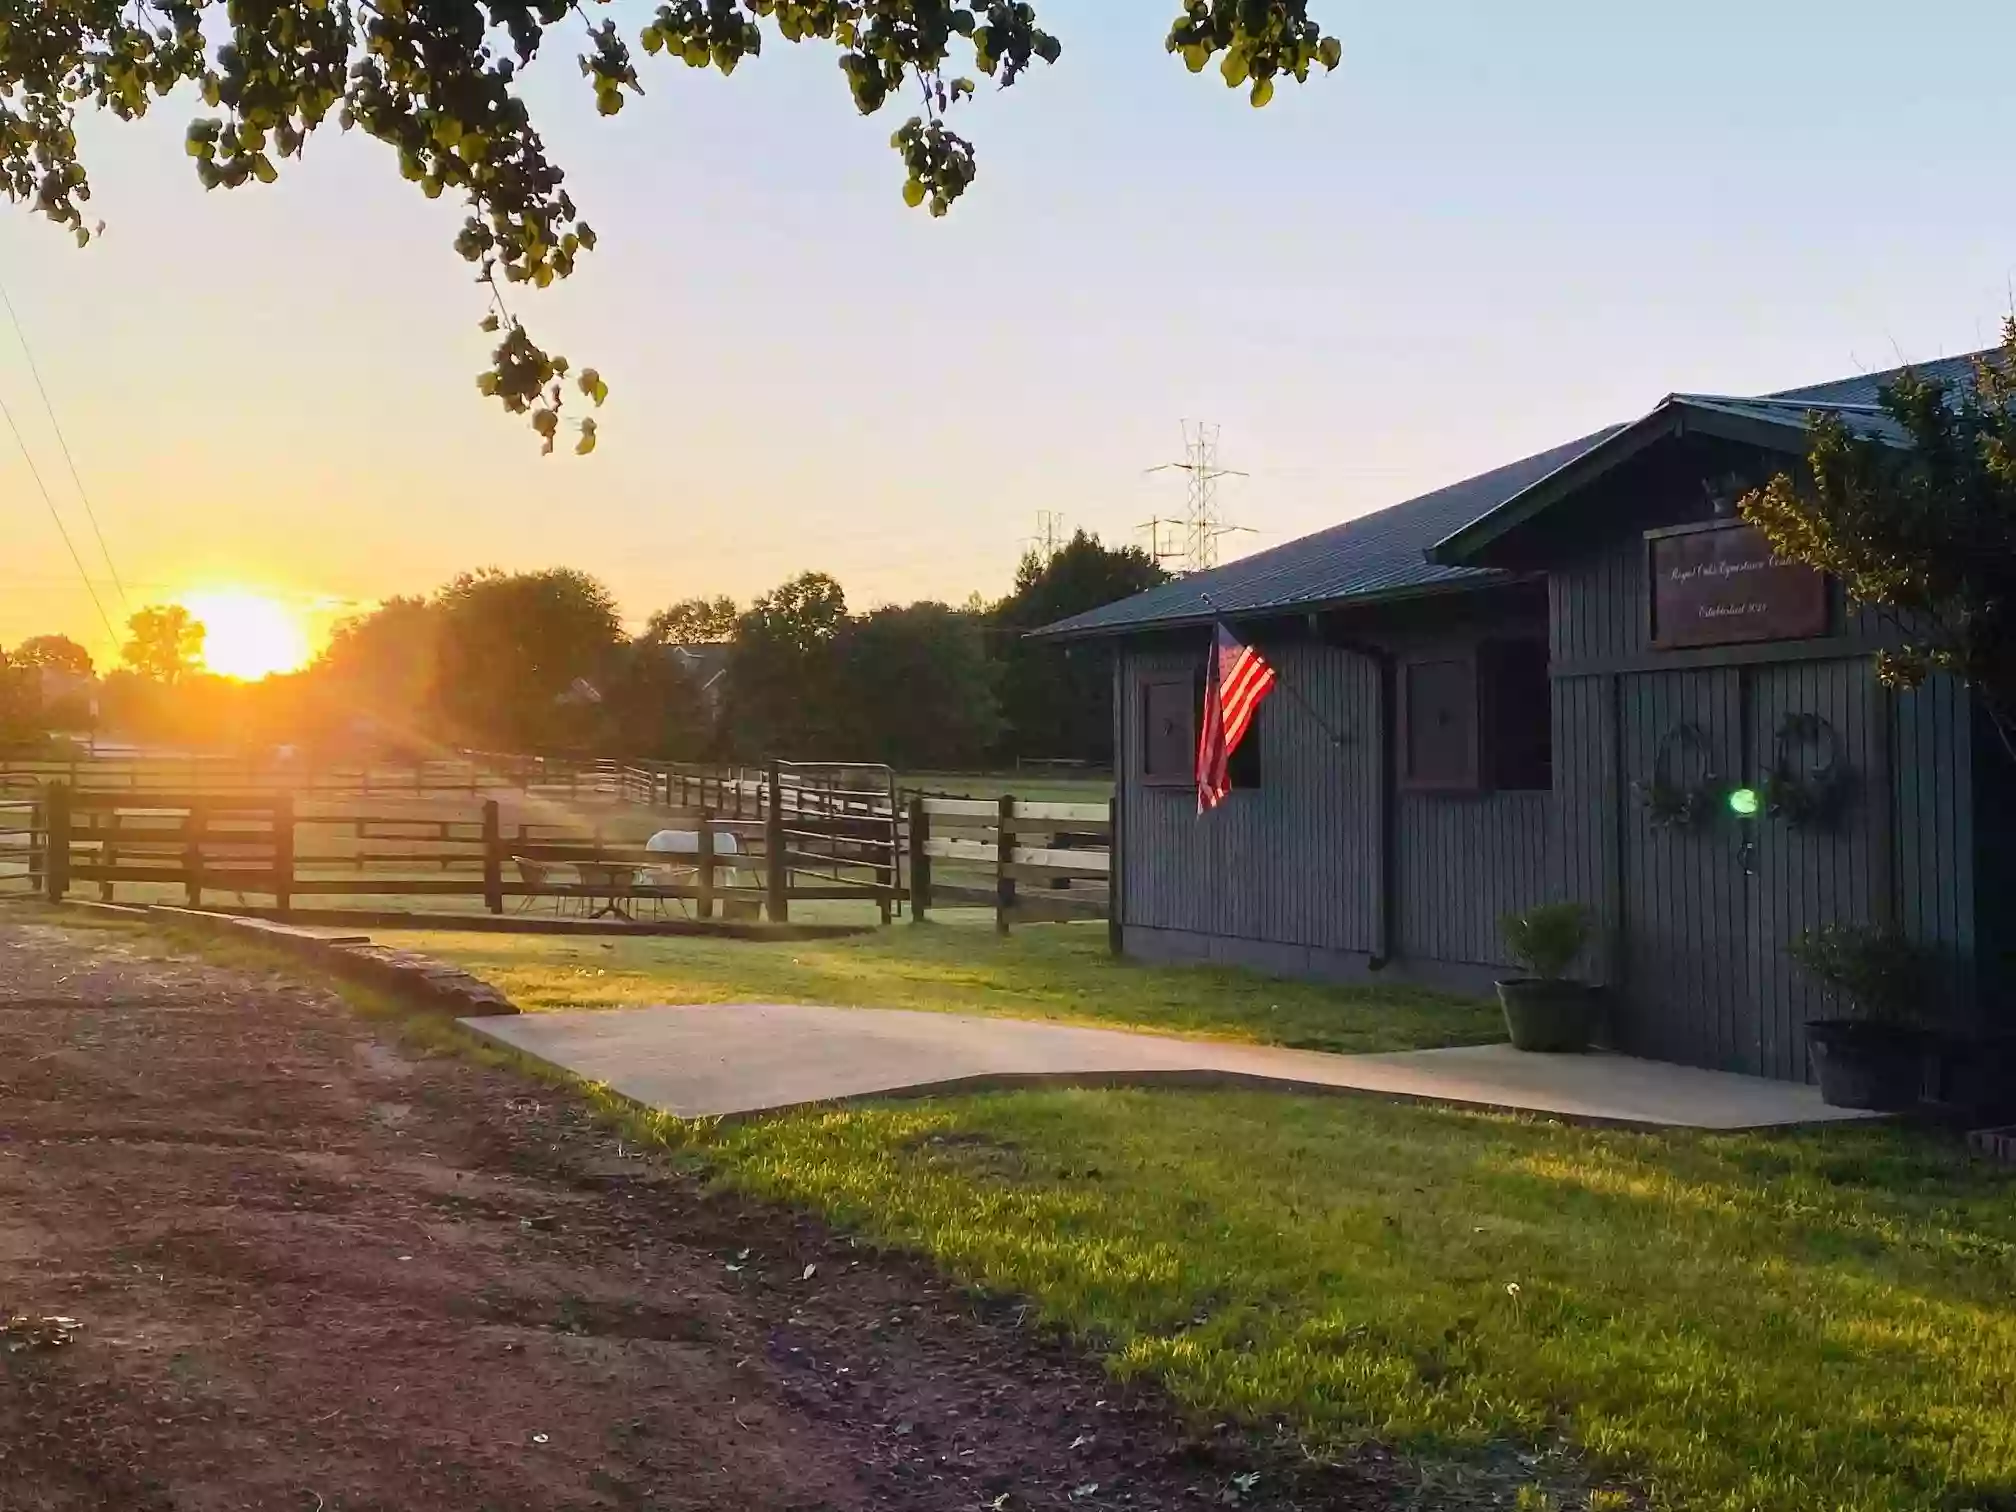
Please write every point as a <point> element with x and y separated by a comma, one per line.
<point>1044,972</point>
<point>1737,1323</point>
<point>1788,1324</point>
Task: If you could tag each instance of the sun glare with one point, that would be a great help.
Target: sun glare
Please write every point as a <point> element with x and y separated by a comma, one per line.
<point>248,635</point>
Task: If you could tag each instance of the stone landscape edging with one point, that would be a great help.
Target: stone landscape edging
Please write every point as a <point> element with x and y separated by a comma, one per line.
<point>417,980</point>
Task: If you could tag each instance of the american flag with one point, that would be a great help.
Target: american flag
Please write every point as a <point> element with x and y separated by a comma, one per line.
<point>1234,683</point>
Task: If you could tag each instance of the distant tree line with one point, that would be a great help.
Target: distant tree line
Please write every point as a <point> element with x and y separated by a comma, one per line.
<point>540,662</point>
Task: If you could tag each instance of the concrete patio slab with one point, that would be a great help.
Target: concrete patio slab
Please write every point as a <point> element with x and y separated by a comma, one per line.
<point>727,1059</point>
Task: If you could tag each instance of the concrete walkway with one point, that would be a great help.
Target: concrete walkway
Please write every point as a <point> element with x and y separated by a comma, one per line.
<point>727,1059</point>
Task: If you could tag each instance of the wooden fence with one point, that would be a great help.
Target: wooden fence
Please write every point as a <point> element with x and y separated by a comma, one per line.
<point>1063,852</point>
<point>584,782</point>
<point>832,836</point>
<point>20,845</point>
<point>258,844</point>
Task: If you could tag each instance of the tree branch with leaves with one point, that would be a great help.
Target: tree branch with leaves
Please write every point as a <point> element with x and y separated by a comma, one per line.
<point>1917,518</point>
<point>438,81</point>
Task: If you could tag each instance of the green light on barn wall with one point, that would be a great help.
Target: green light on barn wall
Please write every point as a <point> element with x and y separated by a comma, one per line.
<point>1743,802</point>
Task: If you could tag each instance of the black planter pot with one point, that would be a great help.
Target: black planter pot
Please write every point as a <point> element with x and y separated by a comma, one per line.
<point>1880,1067</point>
<point>1545,1014</point>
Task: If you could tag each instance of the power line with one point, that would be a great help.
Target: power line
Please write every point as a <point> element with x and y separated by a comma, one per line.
<point>61,529</point>
<point>1202,525</point>
<point>63,442</point>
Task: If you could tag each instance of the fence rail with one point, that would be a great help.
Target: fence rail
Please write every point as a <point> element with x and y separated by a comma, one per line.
<point>1065,850</point>
<point>258,844</point>
<point>763,838</point>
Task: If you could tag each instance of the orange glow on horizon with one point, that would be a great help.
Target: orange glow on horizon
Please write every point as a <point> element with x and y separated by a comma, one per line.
<point>249,635</point>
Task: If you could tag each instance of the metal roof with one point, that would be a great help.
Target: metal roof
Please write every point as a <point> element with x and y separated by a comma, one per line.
<point>1378,555</point>
<point>1385,554</point>
<point>1863,388</point>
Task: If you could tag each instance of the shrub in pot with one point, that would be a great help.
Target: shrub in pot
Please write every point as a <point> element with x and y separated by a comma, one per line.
<point>1871,1052</point>
<point>1545,1010</point>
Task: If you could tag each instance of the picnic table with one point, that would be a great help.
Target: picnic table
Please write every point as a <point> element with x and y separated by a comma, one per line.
<point>613,883</point>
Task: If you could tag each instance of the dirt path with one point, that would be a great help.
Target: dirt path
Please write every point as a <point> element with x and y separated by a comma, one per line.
<point>311,1272</point>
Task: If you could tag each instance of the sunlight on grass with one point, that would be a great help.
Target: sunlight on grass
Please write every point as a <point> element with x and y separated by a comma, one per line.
<point>1825,1321</point>
<point>1057,971</point>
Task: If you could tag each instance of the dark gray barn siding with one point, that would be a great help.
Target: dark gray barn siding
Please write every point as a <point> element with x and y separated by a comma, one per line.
<point>1704,976</point>
<point>1465,862</point>
<point>1694,923</point>
<point>1294,862</point>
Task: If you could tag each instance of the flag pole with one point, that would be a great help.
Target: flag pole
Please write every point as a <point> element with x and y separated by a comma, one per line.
<point>1336,736</point>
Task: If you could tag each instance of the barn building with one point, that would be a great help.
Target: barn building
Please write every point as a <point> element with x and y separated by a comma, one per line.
<point>1541,683</point>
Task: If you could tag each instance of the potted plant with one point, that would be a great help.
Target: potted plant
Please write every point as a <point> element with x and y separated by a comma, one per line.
<point>1545,1010</point>
<point>1871,1054</point>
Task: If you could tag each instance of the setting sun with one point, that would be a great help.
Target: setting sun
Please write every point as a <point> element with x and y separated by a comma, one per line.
<point>248,635</point>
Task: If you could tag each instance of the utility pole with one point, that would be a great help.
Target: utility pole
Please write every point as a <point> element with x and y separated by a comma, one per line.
<point>1156,549</point>
<point>1197,545</point>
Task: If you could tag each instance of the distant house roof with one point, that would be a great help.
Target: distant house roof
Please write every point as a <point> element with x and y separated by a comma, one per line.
<point>1427,544</point>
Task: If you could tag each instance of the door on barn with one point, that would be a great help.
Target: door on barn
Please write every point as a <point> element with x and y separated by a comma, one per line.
<point>1709,906</point>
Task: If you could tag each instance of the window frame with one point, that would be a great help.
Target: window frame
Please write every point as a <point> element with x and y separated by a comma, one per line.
<point>1247,769</point>
<point>1468,781</point>
<point>1482,750</point>
<point>1146,683</point>
<point>1493,655</point>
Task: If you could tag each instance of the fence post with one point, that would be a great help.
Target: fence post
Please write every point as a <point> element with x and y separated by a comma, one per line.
<point>1114,940</point>
<point>56,840</point>
<point>283,854</point>
<point>192,850</point>
<point>777,861</point>
<point>493,858</point>
<point>1004,858</point>
<point>920,860</point>
<point>108,856</point>
<point>704,904</point>
<point>38,838</point>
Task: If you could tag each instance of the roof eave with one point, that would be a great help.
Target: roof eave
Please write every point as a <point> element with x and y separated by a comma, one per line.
<point>1479,578</point>
<point>1676,415</point>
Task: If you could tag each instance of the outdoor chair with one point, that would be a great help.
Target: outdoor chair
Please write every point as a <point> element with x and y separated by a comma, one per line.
<point>665,876</point>
<point>541,876</point>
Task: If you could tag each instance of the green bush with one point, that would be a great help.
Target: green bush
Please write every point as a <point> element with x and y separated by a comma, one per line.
<point>1872,970</point>
<point>1546,938</point>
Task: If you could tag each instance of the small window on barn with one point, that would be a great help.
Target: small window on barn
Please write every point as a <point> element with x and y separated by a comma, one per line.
<point>1168,730</point>
<point>1438,718</point>
<point>1243,769</point>
<point>1517,738</point>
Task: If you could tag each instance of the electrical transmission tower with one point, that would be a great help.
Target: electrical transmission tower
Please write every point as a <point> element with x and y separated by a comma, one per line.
<point>1195,546</point>
<point>1051,537</point>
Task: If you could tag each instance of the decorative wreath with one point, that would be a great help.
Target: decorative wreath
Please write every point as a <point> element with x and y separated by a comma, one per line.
<point>1672,801</point>
<point>1807,782</point>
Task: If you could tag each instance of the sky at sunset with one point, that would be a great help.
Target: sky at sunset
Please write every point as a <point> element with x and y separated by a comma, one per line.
<point>1494,228</point>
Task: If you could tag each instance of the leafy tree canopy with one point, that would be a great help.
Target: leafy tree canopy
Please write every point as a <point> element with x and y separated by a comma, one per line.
<point>164,643</point>
<point>693,622</point>
<point>511,647</point>
<point>438,82</point>
<point>1057,701</point>
<point>917,688</point>
<point>54,653</point>
<point>1924,532</point>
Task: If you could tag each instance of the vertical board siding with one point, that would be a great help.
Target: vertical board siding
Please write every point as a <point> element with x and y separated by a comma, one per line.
<point>1597,606</point>
<point>1684,892</point>
<point>1807,876</point>
<point>1293,862</point>
<point>1932,782</point>
<point>1582,847</point>
<point>1465,862</point>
